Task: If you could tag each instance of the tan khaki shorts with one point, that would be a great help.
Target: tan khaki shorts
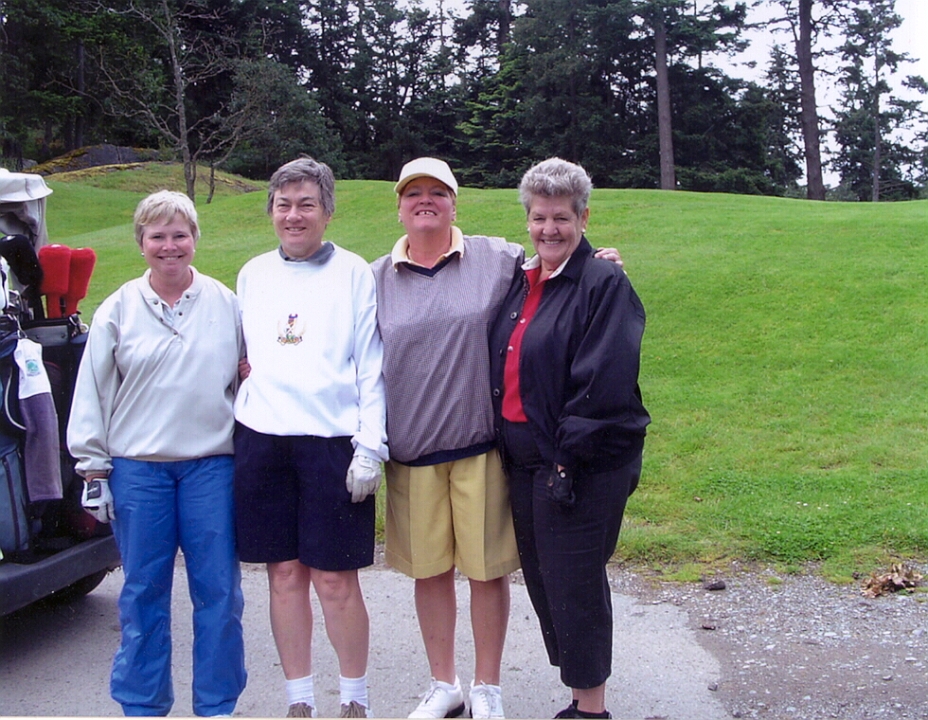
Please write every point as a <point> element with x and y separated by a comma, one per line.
<point>455,514</point>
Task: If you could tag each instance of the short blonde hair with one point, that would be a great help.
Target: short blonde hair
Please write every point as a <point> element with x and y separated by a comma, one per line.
<point>162,206</point>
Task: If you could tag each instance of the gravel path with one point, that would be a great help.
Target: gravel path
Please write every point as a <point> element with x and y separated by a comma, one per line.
<point>799,647</point>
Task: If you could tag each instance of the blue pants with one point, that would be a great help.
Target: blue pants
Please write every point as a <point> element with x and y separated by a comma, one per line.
<point>159,507</point>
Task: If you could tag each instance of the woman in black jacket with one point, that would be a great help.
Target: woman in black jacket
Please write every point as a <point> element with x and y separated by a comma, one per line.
<point>565,354</point>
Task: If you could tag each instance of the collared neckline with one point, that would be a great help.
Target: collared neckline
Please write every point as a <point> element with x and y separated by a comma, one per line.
<point>194,288</point>
<point>581,252</point>
<point>400,253</point>
<point>320,257</point>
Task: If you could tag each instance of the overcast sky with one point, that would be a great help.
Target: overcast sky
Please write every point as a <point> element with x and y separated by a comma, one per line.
<point>910,38</point>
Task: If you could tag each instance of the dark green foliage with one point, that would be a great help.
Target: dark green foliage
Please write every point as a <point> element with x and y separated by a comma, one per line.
<point>781,125</point>
<point>286,122</point>
<point>873,160</point>
<point>51,99</point>
<point>492,153</point>
<point>369,84</point>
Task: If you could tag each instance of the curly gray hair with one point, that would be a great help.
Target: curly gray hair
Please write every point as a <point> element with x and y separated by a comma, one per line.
<point>556,178</point>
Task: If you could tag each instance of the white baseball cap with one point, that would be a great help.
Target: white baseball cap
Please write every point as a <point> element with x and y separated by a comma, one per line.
<point>426,167</point>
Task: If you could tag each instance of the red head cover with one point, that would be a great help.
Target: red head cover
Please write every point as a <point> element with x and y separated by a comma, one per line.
<point>56,266</point>
<point>82,263</point>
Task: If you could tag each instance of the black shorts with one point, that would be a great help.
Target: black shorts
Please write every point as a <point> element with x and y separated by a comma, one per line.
<point>291,502</point>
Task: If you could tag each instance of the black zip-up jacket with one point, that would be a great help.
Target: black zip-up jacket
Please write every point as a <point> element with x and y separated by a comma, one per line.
<point>578,369</point>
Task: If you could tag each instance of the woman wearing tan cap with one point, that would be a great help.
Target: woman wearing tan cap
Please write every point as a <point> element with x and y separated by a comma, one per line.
<point>447,497</point>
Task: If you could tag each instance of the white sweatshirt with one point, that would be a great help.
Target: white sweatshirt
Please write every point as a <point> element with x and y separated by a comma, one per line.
<point>314,349</point>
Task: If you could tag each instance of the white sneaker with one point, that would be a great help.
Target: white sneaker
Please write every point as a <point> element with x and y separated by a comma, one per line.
<point>441,701</point>
<point>486,701</point>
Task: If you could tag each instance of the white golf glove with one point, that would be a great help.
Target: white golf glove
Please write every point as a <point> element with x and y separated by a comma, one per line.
<point>363,477</point>
<point>98,500</point>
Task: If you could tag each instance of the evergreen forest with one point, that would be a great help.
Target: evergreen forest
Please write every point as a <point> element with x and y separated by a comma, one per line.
<point>634,90</point>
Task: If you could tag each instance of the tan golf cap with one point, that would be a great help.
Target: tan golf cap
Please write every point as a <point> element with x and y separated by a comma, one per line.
<point>426,167</point>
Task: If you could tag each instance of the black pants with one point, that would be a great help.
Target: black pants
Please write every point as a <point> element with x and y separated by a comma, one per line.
<point>564,555</point>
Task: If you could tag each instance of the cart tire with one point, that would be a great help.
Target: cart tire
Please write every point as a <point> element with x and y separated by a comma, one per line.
<point>79,588</point>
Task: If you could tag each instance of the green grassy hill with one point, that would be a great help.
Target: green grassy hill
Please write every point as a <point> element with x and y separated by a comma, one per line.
<point>784,363</point>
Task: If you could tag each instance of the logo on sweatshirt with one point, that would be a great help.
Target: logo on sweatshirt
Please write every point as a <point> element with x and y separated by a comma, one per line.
<point>291,333</point>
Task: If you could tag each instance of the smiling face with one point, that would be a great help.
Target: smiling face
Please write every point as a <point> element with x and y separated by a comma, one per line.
<point>555,229</point>
<point>427,206</point>
<point>168,248</point>
<point>299,219</point>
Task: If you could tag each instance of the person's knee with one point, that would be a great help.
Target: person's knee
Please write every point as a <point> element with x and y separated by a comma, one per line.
<point>441,580</point>
<point>336,588</point>
<point>288,577</point>
<point>497,587</point>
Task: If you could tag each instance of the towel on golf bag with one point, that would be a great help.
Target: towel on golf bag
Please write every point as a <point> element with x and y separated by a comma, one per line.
<point>41,450</point>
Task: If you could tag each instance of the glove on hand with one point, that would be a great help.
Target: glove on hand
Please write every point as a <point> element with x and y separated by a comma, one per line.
<point>363,477</point>
<point>98,500</point>
<point>560,487</point>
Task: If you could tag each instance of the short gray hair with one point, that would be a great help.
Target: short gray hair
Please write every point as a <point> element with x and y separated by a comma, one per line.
<point>162,206</point>
<point>556,178</point>
<point>301,170</point>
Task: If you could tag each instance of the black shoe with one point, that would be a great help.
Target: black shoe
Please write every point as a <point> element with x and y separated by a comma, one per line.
<point>572,711</point>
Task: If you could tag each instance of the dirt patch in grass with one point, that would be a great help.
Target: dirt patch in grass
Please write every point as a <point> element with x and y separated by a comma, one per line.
<point>138,170</point>
<point>94,156</point>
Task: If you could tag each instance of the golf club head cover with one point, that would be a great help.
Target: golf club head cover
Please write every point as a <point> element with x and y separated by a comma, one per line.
<point>56,264</point>
<point>24,263</point>
<point>82,264</point>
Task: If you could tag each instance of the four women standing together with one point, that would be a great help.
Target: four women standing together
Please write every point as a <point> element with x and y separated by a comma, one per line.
<point>562,351</point>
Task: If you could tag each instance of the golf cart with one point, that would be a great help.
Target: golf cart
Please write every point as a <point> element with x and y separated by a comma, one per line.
<point>49,547</point>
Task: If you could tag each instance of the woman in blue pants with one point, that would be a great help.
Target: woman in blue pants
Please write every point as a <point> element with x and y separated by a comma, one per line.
<point>151,428</point>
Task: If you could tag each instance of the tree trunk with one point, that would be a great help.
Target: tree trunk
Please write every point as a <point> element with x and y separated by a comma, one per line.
<point>212,182</point>
<point>180,87</point>
<point>81,89</point>
<point>877,135</point>
<point>815,189</point>
<point>664,119</point>
<point>505,20</point>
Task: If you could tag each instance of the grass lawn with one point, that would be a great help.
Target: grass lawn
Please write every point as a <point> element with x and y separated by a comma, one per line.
<point>784,362</point>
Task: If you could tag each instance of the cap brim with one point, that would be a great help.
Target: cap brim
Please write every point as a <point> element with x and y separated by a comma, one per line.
<point>398,188</point>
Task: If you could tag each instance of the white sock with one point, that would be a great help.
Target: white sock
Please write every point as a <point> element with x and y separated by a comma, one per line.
<point>474,684</point>
<point>300,690</point>
<point>354,689</point>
